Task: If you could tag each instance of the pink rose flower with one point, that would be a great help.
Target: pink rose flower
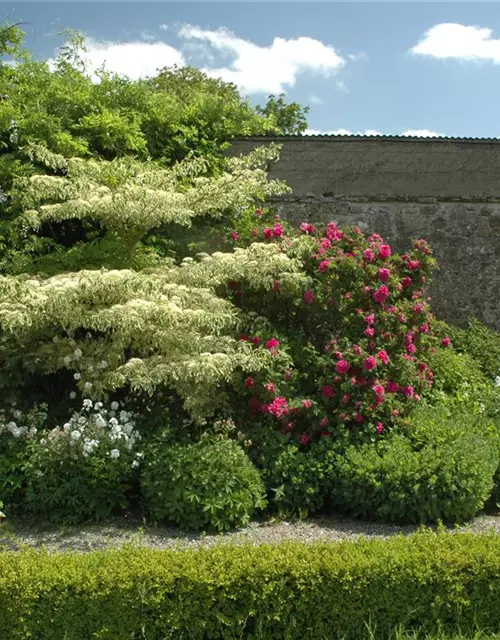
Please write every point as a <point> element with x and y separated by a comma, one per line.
<point>250,383</point>
<point>304,439</point>
<point>411,348</point>
<point>413,265</point>
<point>308,228</point>
<point>323,266</point>
<point>278,230</point>
<point>278,407</point>
<point>381,294</point>
<point>268,233</point>
<point>379,427</point>
<point>370,319</point>
<point>272,343</point>
<point>370,332</point>
<point>424,328</point>
<point>357,350</point>
<point>276,285</point>
<point>406,281</point>
<point>324,422</point>
<point>384,274</point>
<point>342,367</point>
<point>408,391</point>
<point>419,308</point>
<point>255,340</point>
<point>378,390</point>
<point>234,235</point>
<point>258,212</point>
<point>309,297</point>
<point>359,418</point>
<point>392,387</point>
<point>270,386</point>
<point>370,363</point>
<point>307,404</point>
<point>383,356</point>
<point>408,339</point>
<point>368,255</point>
<point>446,341</point>
<point>384,251</point>
<point>328,391</point>
<point>333,232</point>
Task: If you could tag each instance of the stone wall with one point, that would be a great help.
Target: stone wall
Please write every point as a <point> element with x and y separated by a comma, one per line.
<point>445,191</point>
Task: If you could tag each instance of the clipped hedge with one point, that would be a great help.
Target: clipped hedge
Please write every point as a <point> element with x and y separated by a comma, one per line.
<point>291,590</point>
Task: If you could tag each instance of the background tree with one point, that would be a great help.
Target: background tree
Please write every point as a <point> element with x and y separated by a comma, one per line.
<point>289,118</point>
<point>180,113</point>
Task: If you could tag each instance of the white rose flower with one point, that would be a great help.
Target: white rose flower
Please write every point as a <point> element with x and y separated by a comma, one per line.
<point>67,361</point>
<point>114,406</point>
<point>77,353</point>
<point>87,403</point>
<point>72,395</point>
<point>43,442</point>
<point>77,376</point>
<point>88,386</point>
<point>76,435</point>
<point>114,453</point>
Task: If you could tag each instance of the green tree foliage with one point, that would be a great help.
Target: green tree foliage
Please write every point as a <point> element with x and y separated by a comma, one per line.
<point>77,112</point>
<point>289,118</point>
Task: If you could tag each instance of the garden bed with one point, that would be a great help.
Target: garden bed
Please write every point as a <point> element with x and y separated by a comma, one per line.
<point>18,533</point>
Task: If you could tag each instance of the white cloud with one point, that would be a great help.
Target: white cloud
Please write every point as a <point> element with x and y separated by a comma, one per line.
<point>451,40</point>
<point>315,99</point>
<point>411,133</point>
<point>146,35</point>
<point>260,69</point>
<point>422,133</point>
<point>357,56</point>
<point>341,132</point>
<point>164,27</point>
<point>132,59</point>
<point>341,86</point>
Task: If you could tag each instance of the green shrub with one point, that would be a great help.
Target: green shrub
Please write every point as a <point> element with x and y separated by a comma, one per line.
<point>298,481</point>
<point>443,469</point>
<point>17,428</point>
<point>481,343</point>
<point>295,591</point>
<point>83,469</point>
<point>456,373</point>
<point>208,484</point>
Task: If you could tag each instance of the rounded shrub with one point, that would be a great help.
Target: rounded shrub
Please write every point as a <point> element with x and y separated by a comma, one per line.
<point>444,470</point>
<point>208,484</point>
<point>298,481</point>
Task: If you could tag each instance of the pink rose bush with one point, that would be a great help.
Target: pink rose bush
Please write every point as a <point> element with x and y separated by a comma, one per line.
<point>358,335</point>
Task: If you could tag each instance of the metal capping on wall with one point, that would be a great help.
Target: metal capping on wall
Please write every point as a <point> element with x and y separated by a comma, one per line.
<point>360,137</point>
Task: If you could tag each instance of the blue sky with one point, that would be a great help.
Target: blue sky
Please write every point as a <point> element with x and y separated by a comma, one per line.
<point>384,67</point>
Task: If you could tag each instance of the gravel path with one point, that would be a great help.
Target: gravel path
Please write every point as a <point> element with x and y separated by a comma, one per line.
<point>14,535</point>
